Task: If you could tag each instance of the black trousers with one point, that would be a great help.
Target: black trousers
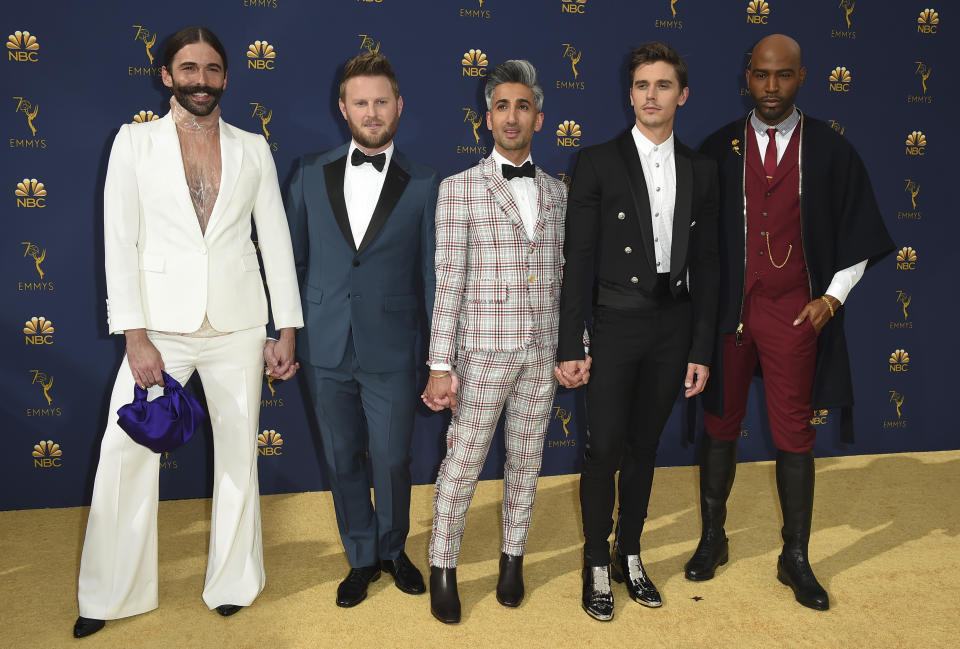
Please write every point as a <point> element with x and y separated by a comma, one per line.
<point>639,363</point>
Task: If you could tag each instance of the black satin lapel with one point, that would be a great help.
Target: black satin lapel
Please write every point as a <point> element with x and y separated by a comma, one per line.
<point>393,186</point>
<point>682,213</point>
<point>333,176</point>
<point>638,190</point>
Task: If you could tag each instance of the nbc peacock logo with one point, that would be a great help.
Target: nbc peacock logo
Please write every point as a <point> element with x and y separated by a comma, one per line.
<point>899,361</point>
<point>916,144</point>
<point>269,442</point>
<point>568,134</point>
<point>30,193</point>
<point>573,6</point>
<point>144,116</point>
<point>47,455</point>
<point>22,46</point>
<point>758,12</point>
<point>261,55</point>
<point>474,64</point>
<point>819,417</point>
<point>906,258</point>
<point>840,79</point>
<point>928,21</point>
<point>38,331</point>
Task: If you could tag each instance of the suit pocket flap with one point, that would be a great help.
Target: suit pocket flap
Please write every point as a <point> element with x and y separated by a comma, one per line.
<point>399,302</point>
<point>152,263</point>
<point>249,262</point>
<point>314,294</point>
<point>492,291</point>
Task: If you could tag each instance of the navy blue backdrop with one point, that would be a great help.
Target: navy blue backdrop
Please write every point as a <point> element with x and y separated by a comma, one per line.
<point>74,72</point>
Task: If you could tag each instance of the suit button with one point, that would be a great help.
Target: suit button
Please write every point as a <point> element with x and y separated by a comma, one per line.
<point>621,216</point>
<point>679,282</point>
<point>628,250</point>
<point>533,278</point>
<point>634,280</point>
<point>356,262</point>
<point>763,213</point>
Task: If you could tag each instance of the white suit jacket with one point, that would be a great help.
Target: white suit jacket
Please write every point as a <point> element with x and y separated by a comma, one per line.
<point>163,273</point>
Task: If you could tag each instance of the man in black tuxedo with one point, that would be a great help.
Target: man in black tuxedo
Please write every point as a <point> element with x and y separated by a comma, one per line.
<point>642,218</point>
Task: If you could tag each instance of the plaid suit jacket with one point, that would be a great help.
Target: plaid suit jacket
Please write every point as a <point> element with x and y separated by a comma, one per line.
<point>496,288</point>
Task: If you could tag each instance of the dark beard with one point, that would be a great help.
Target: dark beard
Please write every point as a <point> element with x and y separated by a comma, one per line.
<point>368,142</point>
<point>182,93</point>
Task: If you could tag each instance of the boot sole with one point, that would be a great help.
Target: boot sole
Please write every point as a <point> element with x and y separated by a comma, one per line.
<point>596,616</point>
<point>710,575</point>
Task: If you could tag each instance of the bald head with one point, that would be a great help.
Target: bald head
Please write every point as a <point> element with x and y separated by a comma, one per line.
<point>775,76</point>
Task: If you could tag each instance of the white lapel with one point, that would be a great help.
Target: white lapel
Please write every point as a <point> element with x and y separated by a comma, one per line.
<point>231,160</point>
<point>167,170</point>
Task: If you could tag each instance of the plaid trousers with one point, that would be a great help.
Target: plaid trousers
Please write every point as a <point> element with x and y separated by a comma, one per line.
<point>522,384</point>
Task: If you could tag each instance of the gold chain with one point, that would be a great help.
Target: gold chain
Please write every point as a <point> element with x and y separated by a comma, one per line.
<point>770,254</point>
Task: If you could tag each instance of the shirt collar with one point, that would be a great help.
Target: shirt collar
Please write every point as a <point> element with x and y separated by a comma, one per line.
<point>783,128</point>
<point>388,151</point>
<point>501,160</point>
<point>645,146</point>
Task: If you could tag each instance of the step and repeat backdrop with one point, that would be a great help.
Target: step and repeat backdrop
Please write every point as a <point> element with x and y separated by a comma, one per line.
<point>878,72</point>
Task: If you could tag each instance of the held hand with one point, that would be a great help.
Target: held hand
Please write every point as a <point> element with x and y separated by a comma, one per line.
<point>696,380</point>
<point>817,312</point>
<point>441,392</point>
<point>143,358</point>
<point>281,352</point>
<point>573,374</point>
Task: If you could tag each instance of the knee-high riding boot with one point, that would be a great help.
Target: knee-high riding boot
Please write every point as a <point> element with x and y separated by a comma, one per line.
<point>718,466</point>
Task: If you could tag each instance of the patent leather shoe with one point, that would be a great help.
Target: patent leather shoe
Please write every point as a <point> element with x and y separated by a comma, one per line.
<point>226,610</point>
<point>444,599</point>
<point>85,626</point>
<point>405,575</point>
<point>510,583</point>
<point>353,589</point>
<point>597,598</point>
<point>628,568</point>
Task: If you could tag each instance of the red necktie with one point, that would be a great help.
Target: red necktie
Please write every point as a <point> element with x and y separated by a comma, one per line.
<point>770,157</point>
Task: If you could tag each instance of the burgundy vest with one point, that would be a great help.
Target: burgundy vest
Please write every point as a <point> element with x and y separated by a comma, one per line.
<point>773,214</point>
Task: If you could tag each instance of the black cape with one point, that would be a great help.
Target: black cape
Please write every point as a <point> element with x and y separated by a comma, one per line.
<point>842,226</point>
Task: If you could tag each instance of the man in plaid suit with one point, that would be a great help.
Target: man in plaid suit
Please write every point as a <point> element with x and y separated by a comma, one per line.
<point>493,342</point>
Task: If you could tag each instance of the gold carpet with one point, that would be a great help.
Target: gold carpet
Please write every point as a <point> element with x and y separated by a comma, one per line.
<point>885,546</point>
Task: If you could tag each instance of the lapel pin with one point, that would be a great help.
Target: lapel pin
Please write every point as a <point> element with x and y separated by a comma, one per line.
<point>735,145</point>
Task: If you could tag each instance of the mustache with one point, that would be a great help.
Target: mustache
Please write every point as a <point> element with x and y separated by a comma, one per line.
<point>190,90</point>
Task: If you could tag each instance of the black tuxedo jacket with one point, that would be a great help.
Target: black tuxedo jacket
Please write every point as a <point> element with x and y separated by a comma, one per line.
<point>608,213</point>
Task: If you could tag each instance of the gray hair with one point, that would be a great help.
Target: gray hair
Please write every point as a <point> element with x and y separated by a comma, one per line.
<point>514,71</point>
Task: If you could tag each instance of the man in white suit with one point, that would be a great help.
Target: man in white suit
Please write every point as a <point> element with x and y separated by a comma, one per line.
<point>184,286</point>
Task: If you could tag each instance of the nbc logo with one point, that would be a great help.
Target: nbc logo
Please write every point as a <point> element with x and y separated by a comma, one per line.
<point>30,193</point>
<point>144,116</point>
<point>916,143</point>
<point>899,361</point>
<point>906,258</point>
<point>269,442</point>
<point>840,79</point>
<point>758,11</point>
<point>928,21</point>
<point>573,6</point>
<point>261,56</point>
<point>22,47</point>
<point>819,417</point>
<point>568,133</point>
<point>38,331</point>
<point>474,64</point>
<point>47,454</point>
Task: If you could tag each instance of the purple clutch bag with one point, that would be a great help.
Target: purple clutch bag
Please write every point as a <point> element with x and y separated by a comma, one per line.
<point>165,423</point>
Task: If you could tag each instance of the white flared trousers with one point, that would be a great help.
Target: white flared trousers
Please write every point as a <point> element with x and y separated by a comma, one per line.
<point>118,568</point>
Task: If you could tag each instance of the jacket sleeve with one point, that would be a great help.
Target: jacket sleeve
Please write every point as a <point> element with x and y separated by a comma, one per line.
<point>705,268</point>
<point>428,245</point>
<point>450,265</point>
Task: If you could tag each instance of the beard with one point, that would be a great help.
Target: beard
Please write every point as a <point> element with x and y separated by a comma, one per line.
<point>183,95</point>
<point>369,141</point>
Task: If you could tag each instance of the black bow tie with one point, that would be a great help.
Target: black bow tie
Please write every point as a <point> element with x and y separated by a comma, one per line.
<point>526,170</point>
<point>359,157</point>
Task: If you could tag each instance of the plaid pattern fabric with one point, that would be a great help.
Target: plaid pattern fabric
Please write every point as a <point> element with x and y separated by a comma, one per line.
<point>496,289</point>
<point>521,384</point>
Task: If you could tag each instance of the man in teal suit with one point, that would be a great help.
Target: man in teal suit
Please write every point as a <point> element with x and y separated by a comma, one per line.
<point>362,224</point>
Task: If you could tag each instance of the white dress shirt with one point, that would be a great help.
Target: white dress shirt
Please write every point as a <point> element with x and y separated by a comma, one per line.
<point>660,175</point>
<point>524,192</point>
<point>361,191</point>
<point>843,280</point>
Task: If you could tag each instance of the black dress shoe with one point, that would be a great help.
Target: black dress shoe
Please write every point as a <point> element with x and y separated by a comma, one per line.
<point>597,597</point>
<point>444,599</point>
<point>405,574</point>
<point>85,626</point>
<point>510,584</point>
<point>227,610</point>
<point>353,589</point>
<point>628,568</point>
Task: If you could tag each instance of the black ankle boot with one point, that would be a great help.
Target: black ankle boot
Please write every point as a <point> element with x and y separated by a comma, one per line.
<point>444,599</point>
<point>510,583</point>
<point>718,466</point>
<point>795,478</point>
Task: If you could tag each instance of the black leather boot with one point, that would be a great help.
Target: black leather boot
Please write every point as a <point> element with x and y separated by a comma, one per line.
<point>795,478</point>
<point>628,569</point>
<point>718,466</point>
<point>510,583</point>
<point>444,599</point>
<point>597,598</point>
<point>85,626</point>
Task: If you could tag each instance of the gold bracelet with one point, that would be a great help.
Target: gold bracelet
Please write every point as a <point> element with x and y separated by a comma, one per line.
<point>829,306</point>
<point>439,376</point>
